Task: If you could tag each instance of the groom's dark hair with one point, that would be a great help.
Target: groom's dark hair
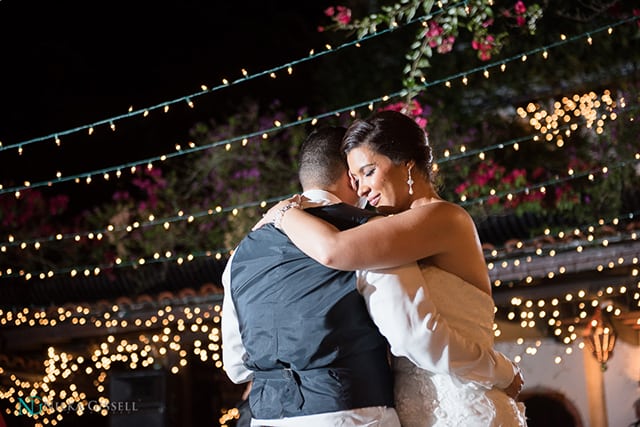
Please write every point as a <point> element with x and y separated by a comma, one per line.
<point>322,162</point>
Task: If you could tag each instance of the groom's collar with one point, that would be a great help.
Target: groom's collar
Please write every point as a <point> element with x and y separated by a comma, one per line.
<point>319,197</point>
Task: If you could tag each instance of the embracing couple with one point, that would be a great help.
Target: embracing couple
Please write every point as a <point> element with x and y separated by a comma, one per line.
<point>340,316</point>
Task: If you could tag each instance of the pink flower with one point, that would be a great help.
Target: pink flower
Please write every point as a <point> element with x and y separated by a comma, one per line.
<point>57,204</point>
<point>520,21</point>
<point>482,180</point>
<point>330,11</point>
<point>517,173</point>
<point>413,109</point>
<point>484,47</point>
<point>422,122</point>
<point>344,15</point>
<point>493,200</point>
<point>537,172</point>
<point>120,195</point>
<point>520,8</point>
<point>398,106</point>
<point>434,29</point>
<point>416,108</point>
<point>447,45</point>
<point>460,189</point>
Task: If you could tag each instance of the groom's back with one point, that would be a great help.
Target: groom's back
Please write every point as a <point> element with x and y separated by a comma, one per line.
<point>308,335</point>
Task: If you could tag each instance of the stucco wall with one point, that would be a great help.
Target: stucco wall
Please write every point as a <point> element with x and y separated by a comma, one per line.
<point>621,379</point>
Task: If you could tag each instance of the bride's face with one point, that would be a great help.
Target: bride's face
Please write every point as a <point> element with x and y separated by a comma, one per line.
<point>383,183</point>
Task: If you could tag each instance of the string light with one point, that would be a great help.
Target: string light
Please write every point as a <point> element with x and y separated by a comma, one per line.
<point>109,352</point>
<point>165,105</point>
<point>56,390</point>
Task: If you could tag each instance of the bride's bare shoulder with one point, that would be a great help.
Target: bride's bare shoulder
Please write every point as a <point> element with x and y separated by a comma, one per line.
<point>442,213</point>
<point>440,207</point>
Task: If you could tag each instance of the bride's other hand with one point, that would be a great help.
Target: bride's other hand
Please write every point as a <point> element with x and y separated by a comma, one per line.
<point>514,389</point>
<point>278,210</point>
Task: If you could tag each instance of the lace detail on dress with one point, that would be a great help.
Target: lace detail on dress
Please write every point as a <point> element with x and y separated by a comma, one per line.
<point>415,394</point>
<point>427,400</point>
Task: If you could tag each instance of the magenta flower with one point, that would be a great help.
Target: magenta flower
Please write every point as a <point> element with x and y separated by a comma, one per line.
<point>413,109</point>
<point>447,45</point>
<point>484,47</point>
<point>434,30</point>
<point>344,15</point>
<point>460,189</point>
<point>422,122</point>
<point>520,8</point>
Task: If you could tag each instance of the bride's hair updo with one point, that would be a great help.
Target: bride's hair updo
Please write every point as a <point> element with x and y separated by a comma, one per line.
<point>394,135</point>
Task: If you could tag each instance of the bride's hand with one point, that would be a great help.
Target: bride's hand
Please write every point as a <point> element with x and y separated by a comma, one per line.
<point>514,389</point>
<point>278,210</point>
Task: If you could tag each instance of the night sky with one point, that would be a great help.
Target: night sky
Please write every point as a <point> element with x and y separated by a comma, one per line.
<point>65,64</point>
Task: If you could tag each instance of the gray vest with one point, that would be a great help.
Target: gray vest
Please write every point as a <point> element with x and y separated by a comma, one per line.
<point>308,335</point>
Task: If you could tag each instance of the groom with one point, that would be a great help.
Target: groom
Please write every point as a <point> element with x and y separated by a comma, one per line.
<point>307,338</point>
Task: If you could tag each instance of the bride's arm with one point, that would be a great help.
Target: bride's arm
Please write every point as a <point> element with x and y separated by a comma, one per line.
<point>402,308</point>
<point>384,242</point>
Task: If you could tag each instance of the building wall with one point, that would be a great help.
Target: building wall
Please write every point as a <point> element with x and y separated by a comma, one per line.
<point>543,371</point>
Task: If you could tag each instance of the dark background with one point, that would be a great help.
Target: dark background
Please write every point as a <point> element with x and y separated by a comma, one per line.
<point>69,63</point>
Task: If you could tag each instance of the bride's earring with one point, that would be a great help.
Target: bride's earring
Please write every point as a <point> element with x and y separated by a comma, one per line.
<point>410,181</point>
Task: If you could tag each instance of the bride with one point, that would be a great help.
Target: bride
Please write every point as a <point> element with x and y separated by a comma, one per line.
<point>390,161</point>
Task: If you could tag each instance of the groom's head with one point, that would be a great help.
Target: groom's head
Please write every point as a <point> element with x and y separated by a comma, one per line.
<point>323,165</point>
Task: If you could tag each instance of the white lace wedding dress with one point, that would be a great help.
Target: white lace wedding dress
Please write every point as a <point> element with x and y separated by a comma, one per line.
<point>424,399</point>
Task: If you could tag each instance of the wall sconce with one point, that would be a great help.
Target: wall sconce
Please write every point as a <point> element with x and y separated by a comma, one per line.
<point>600,338</point>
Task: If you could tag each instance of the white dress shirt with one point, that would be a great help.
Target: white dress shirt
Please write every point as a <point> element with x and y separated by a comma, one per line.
<point>398,302</point>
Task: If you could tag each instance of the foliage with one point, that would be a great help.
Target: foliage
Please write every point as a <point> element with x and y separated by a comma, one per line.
<point>441,29</point>
<point>32,211</point>
<point>489,180</point>
<point>574,176</point>
<point>578,170</point>
<point>253,170</point>
<point>216,183</point>
<point>197,205</point>
<point>208,200</point>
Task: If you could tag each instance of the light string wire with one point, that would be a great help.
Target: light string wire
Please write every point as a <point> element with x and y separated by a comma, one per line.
<point>523,328</point>
<point>528,249</point>
<point>219,210</point>
<point>187,98</point>
<point>523,56</point>
<point>144,224</point>
<point>369,103</point>
<point>256,203</point>
<point>515,141</point>
<point>552,182</point>
<point>88,270</point>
